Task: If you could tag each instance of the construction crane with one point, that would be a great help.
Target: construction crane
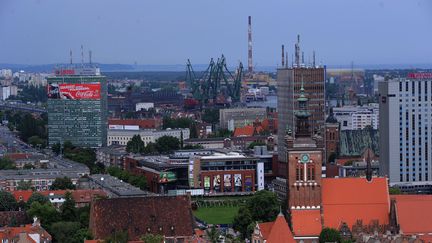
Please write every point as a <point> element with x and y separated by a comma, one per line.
<point>216,80</point>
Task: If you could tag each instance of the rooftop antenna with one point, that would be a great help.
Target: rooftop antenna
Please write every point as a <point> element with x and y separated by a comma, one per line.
<point>250,65</point>
<point>90,57</point>
<point>70,56</point>
<point>283,58</point>
<point>297,51</point>
<point>313,59</point>
<point>82,55</point>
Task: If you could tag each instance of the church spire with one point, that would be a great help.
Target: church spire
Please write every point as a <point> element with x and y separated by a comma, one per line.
<point>302,114</point>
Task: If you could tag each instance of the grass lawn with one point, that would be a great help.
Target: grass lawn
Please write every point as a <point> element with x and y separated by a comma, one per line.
<point>217,215</point>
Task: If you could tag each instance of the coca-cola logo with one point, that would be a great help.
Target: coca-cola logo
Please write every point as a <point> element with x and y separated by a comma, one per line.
<point>85,94</point>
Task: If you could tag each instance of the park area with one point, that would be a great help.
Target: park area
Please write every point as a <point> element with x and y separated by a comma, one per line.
<point>217,214</point>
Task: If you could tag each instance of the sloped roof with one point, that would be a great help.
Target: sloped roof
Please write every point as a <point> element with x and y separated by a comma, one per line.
<point>79,196</point>
<point>306,222</point>
<point>244,131</point>
<point>354,142</point>
<point>277,231</point>
<point>351,199</point>
<point>414,213</point>
<point>164,215</point>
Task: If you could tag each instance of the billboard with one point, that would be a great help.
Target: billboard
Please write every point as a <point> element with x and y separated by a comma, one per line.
<point>238,182</point>
<point>227,183</point>
<point>248,183</point>
<point>168,176</point>
<point>74,91</point>
<point>260,175</point>
<point>207,183</point>
<point>420,75</point>
<point>216,183</point>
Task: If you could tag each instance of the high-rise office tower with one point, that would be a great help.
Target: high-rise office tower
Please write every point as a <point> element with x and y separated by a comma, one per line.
<point>405,110</point>
<point>289,79</point>
<point>77,107</point>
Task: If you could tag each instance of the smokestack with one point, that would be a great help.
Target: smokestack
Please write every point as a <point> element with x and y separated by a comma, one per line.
<point>286,59</point>
<point>297,52</point>
<point>313,59</point>
<point>82,55</point>
<point>250,65</point>
<point>283,57</point>
<point>90,56</point>
<point>70,56</point>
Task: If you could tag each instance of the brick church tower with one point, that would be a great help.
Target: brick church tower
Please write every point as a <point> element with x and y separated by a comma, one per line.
<point>305,153</point>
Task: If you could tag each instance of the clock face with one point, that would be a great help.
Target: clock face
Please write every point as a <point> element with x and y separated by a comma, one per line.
<point>304,158</point>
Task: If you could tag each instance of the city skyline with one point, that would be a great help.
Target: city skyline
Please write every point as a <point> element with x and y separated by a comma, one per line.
<point>165,33</point>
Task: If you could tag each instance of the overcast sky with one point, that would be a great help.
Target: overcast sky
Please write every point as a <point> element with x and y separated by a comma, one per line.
<point>170,32</point>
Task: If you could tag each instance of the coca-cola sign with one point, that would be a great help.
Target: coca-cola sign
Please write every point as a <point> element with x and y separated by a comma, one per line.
<point>74,91</point>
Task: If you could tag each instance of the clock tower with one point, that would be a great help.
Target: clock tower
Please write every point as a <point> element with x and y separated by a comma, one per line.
<point>305,153</point>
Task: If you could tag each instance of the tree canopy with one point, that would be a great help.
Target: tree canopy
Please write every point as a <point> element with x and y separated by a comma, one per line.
<point>37,197</point>
<point>62,183</point>
<point>166,144</point>
<point>262,207</point>
<point>7,201</point>
<point>135,145</point>
<point>329,235</point>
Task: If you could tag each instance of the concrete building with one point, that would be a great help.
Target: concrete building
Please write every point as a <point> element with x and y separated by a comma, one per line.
<point>5,92</point>
<point>357,117</point>
<point>122,136</point>
<point>239,117</point>
<point>77,107</point>
<point>289,81</point>
<point>405,126</point>
<point>115,187</point>
<point>111,156</point>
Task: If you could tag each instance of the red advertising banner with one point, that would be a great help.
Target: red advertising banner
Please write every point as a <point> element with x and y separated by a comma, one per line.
<point>74,91</point>
<point>420,75</point>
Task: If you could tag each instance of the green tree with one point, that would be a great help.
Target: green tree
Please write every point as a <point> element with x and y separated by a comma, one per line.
<point>7,201</point>
<point>213,234</point>
<point>37,197</point>
<point>135,145</point>
<point>150,148</point>
<point>64,183</point>
<point>56,148</point>
<point>24,185</point>
<point>242,221</point>
<point>67,232</point>
<point>166,144</point>
<point>67,209</point>
<point>210,116</point>
<point>262,207</point>
<point>47,213</point>
<point>329,235</point>
<point>36,141</point>
<point>395,191</point>
<point>6,164</point>
<point>151,238</point>
<point>28,166</point>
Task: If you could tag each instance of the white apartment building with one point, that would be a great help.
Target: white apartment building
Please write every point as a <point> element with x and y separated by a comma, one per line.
<point>122,136</point>
<point>405,124</point>
<point>357,117</point>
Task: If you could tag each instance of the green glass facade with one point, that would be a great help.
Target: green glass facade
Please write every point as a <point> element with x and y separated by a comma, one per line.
<point>83,121</point>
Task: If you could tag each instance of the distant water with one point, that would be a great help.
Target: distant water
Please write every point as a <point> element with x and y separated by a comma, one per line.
<point>270,102</point>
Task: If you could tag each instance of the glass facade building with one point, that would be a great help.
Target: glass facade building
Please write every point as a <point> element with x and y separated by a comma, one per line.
<point>77,110</point>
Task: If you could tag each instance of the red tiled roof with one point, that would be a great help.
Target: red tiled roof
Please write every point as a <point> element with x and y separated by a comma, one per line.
<point>306,222</point>
<point>414,213</point>
<point>165,215</point>
<point>79,196</point>
<point>22,195</point>
<point>244,131</point>
<point>280,231</point>
<point>351,199</point>
<point>277,231</point>
<point>265,229</point>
